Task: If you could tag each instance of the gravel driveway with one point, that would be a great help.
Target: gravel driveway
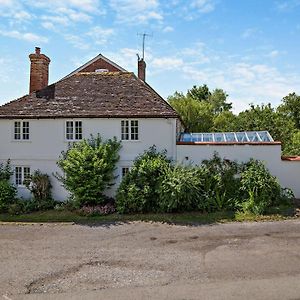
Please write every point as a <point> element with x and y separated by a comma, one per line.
<point>150,261</point>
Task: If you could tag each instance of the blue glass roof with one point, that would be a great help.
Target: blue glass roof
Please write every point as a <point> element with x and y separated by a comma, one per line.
<point>223,137</point>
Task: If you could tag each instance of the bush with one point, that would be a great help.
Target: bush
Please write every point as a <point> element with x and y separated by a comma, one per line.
<point>7,191</point>
<point>260,189</point>
<point>220,184</point>
<point>88,168</point>
<point>139,189</point>
<point>7,195</point>
<point>179,189</point>
<point>39,185</point>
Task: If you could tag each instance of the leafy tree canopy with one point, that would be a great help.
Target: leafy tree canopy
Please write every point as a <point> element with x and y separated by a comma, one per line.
<point>203,110</point>
<point>291,108</point>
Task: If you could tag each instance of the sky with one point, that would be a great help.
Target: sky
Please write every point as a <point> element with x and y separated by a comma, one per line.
<point>249,48</point>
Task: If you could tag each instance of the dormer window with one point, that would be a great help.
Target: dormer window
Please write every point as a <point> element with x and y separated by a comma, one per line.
<point>21,130</point>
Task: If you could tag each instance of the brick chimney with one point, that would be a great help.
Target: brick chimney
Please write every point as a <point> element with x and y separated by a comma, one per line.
<point>141,69</point>
<point>39,70</point>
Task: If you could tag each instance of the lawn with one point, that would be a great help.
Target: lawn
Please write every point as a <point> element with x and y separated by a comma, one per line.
<point>274,214</point>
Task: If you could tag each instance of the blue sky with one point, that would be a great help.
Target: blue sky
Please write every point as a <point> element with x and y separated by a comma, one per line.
<point>250,48</point>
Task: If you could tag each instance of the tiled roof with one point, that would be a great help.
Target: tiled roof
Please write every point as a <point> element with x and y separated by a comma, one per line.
<point>291,158</point>
<point>84,95</point>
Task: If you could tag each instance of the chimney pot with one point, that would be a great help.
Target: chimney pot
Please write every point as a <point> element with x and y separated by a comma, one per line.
<point>39,70</point>
<point>141,69</point>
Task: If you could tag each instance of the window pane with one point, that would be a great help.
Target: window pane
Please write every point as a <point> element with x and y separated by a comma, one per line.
<point>69,130</point>
<point>124,130</point>
<point>125,170</point>
<point>219,137</point>
<point>241,137</point>
<point>26,173</point>
<point>207,137</point>
<point>253,137</point>
<point>25,130</point>
<point>134,130</point>
<point>17,132</point>
<point>230,137</point>
<point>78,130</point>
<point>18,175</point>
<point>264,136</point>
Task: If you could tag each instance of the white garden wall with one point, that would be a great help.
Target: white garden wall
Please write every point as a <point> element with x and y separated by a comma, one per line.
<point>287,172</point>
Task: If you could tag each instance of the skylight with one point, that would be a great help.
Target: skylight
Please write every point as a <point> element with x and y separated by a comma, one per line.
<point>229,137</point>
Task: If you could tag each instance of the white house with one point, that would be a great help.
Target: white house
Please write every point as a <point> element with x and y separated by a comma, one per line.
<point>102,97</point>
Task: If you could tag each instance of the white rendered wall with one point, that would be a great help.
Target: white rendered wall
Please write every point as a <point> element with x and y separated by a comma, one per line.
<point>287,172</point>
<point>47,140</point>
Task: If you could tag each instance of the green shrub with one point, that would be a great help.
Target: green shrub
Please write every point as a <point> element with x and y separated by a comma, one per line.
<point>7,195</point>
<point>260,189</point>
<point>39,185</point>
<point>179,189</point>
<point>7,191</point>
<point>88,168</point>
<point>220,184</point>
<point>139,189</point>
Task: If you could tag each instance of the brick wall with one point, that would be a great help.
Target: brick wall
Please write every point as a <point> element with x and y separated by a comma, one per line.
<point>100,64</point>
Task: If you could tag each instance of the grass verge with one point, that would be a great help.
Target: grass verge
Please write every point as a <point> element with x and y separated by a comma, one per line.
<point>274,214</point>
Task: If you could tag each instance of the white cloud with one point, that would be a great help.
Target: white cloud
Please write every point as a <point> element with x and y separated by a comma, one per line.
<point>77,41</point>
<point>203,6</point>
<point>61,20</point>
<point>287,5</point>
<point>100,35</point>
<point>26,36</point>
<point>136,11</point>
<point>166,63</point>
<point>90,6</point>
<point>48,25</point>
<point>250,32</point>
<point>273,54</point>
<point>168,29</point>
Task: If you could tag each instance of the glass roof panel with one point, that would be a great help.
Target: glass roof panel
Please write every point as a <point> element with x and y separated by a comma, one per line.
<point>207,137</point>
<point>253,136</point>
<point>241,137</point>
<point>265,136</point>
<point>219,137</point>
<point>230,137</point>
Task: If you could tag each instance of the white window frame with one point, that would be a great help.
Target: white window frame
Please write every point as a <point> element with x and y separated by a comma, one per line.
<point>23,170</point>
<point>74,135</point>
<point>122,169</point>
<point>130,130</point>
<point>23,132</point>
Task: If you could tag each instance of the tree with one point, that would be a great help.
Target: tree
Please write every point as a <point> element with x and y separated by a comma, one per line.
<point>200,93</point>
<point>225,121</point>
<point>265,117</point>
<point>217,98</point>
<point>88,168</point>
<point>293,148</point>
<point>199,107</point>
<point>196,116</point>
<point>291,108</point>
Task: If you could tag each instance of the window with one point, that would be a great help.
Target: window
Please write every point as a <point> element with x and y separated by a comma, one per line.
<point>125,170</point>
<point>74,130</point>
<point>21,174</point>
<point>129,130</point>
<point>21,130</point>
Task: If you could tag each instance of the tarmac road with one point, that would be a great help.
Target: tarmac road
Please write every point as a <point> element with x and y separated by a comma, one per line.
<point>150,261</point>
